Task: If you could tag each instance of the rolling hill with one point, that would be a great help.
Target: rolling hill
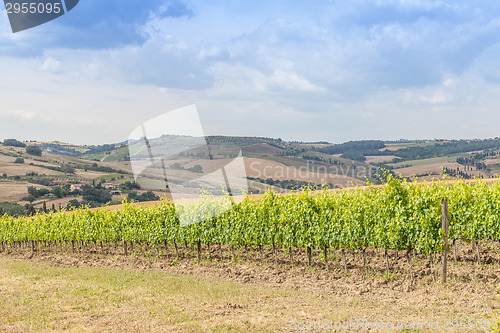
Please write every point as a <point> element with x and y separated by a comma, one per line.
<point>270,163</point>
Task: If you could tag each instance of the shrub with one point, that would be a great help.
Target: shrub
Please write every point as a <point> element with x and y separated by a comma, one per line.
<point>34,150</point>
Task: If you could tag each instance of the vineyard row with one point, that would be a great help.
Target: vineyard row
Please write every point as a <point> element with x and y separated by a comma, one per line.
<point>396,216</point>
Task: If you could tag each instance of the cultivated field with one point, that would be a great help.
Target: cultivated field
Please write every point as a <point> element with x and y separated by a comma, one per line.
<point>14,191</point>
<point>99,292</point>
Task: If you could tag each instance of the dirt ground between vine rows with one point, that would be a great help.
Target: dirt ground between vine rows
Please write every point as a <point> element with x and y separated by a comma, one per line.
<point>313,293</point>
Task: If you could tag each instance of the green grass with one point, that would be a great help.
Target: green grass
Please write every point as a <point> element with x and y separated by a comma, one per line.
<point>411,144</point>
<point>424,161</point>
<point>40,297</point>
<point>113,175</point>
<point>94,157</point>
<point>117,155</point>
<point>389,276</point>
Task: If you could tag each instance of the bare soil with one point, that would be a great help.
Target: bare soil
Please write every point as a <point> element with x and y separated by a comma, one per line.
<point>380,159</point>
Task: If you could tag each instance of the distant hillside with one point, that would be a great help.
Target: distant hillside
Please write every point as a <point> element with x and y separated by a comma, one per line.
<point>56,169</point>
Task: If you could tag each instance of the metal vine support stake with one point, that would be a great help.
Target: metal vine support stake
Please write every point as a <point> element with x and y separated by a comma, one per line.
<point>343,258</point>
<point>326,258</point>
<point>386,261</point>
<point>476,245</point>
<point>431,266</point>
<point>309,255</point>
<point>275,254</point>
<point>444,226</point>
<point>478,256</point>
<point>455,249</point>
<point>408,254</point>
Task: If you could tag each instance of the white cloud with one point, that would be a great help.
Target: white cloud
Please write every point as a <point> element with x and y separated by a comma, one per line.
<point>293,81</point>
<point>438,97</point>
<point>448,83</point>
<point>21,114</point>
<point>51,65</point>
<point>397,60</point>
<point>423,4</point>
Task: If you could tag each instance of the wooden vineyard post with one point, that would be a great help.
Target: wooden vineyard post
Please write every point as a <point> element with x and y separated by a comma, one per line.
<point>445,240</point>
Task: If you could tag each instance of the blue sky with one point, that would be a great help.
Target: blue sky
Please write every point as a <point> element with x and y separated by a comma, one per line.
<point>316,70</point>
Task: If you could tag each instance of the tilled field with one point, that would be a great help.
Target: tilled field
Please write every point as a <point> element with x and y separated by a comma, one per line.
<point>285,297</point>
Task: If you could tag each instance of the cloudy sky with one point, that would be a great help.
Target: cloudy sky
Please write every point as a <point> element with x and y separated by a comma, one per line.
<point>299,70</point>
